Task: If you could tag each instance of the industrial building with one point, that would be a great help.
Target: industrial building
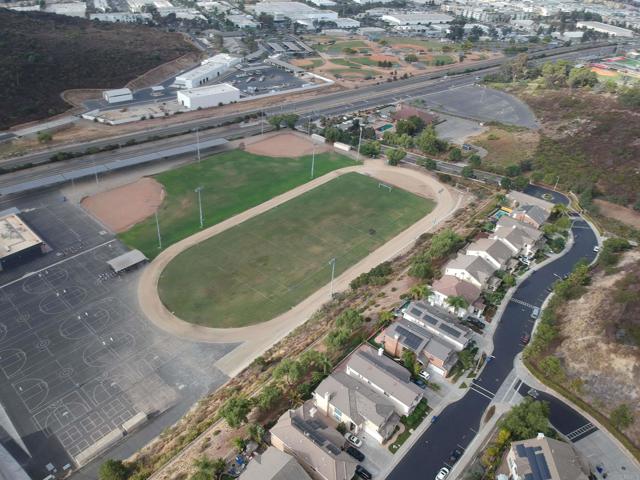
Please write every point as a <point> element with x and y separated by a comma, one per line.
<point>612,30</point>
<point>211,96</point>
<point>118,95</point>
<point>209,70</point>
<point>416,18</point>
<point>17,241</point>
<point>293,11</point>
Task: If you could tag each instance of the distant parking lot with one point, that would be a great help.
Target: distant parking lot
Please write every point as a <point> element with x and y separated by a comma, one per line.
<point>264,81</point>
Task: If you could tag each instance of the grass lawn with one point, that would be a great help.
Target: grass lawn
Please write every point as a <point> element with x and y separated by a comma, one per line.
<point>425,44</point>
<point>345,63</point>
<point>232,182</point>
<point>363,61</point>
<point>411,422</point>
<point>259,269</point>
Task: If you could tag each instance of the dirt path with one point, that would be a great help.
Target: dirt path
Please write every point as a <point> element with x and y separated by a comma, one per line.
<point>296,143</point>
<point>256,339</point>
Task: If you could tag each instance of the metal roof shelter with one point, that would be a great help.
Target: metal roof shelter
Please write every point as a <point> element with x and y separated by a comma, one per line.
<point>127,260</point>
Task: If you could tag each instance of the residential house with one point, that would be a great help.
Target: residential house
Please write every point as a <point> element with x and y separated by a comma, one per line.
<point>545,458</point>
<point>521,238</point>
<point>386,377</point>
<point>531,214</point>
<point>404,111</point>
<point>471,269</point>
<point>449,286</point>
<point>316,446</point>
<point>433,352</point>
<point>274,465</point>
<point>492,250</point>
<point>519,199</point>
<point>361,408</point>
<point>439,322</point>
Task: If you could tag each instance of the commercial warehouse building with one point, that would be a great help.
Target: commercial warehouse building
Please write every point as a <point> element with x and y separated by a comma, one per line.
<point>211,96</point>
<point>612,30</point>
<point>293,11</point>
<point>18,242</point>
<point>209,70</point>
<point>117,95</point>
<point>416,18</point>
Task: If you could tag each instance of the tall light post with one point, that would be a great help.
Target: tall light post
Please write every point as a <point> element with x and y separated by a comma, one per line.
<point>158,230</point>
<point>359,142</point>
<point>262,122</point>
<point>332,262</point>
<point>313,157</point>
<point>556,185</point>
<point>199,192</point>
<point>198,143</point>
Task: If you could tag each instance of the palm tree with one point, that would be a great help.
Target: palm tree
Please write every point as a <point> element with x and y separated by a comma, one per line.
<point>559,210</point>
<point>457,302</point>
<point>420,292</point>
<point>209,469</point>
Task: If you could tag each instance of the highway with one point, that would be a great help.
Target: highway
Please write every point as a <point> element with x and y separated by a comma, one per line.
<point>329,104</point>
<point>458,423</point>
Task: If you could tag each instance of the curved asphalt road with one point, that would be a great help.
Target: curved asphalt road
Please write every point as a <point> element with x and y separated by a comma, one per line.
<point>457,424</point>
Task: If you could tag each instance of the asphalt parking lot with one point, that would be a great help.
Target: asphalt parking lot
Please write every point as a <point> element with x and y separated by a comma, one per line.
<point>483,104</point>
<point>76,357</point>
<point>272,79</point>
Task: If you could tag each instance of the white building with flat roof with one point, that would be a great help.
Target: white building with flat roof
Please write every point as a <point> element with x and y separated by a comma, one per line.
<point>210,69</point>
<point>211,96</point>
<point>612,30</point>
<point>293,11</point>
<point>416,18</point>
<point>17,240</point>
<point>118,95</point>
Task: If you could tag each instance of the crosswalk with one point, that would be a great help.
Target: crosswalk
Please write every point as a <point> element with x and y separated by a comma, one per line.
<point>522,302</point>
<point>482,391</point>
<point>581,431</point>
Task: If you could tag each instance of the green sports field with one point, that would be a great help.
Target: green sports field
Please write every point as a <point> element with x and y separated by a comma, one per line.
<point>232,182</point>
<point>262,267</point>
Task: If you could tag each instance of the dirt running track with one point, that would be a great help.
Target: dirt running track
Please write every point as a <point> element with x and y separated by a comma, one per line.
<point>256,339</point>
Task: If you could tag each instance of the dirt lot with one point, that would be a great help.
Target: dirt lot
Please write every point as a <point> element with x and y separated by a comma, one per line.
<point>623,214</point>
<point>123,207</point>
<point>506,147</point>
<point>598,344</point>
<point>290,145</point>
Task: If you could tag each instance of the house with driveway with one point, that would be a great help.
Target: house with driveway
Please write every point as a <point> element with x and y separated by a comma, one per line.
<point>439,323</point>
<point>449,286</point>
<point>357,405</point>
<point>521,238</point>
<point>531,214</point>
<point>519,199</point>
<point>303,434</point>
<point>492,250</point>
<point>274,465</point>
<point>472,269</point>
<point>373,368</point>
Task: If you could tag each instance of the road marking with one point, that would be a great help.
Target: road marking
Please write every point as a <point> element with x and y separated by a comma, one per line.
<point>489,392</point>
<point>480,391</point>
<point>588,428</point>
<point>522,302</point>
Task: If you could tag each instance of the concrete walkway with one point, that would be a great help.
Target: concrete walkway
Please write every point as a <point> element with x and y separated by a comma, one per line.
<point>256,339</point>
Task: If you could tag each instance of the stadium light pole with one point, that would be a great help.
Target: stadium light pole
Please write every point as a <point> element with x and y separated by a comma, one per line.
<point>556,185</point>
<point>359,142</point>
<point>158,230</point>
<point>332,262</point>
<point>198,191</point>
<point>198,143</point>
<point>262,122</point>
<point>313,158</point>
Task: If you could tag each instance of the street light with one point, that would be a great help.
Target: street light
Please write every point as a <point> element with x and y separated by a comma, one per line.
<point>198,191</point>
<point>158,230</point>
<point>359,142</point>
<point>313,157</point>
<point>198,143</point>
<point>332,262</point>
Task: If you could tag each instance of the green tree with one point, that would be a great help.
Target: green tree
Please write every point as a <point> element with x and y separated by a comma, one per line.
<point>395,155</point>
<point>315,360</point>
<point>621,417</point>
<point>630,97</point>
<point>113,470</point>
<point>526,419</point>
<point>410,361</point>
<point>411,58</point>
<point>289,372</point>
<point>235,410</point>
<point>455,154</point>
<point>512,170</point>
<point>240,444</point>
<point>370,149</point>
<point>256,432</point>
<point>428,141</point>
<point>430,164</point>
<point>275,121</point>
<point>475,161</point>
<point>467,172</point>
<point>520,182</point>
<point>207,469</point>
<point>467,358</point>
<point>508,280</point>
<point>582,77</point>
<point>556,74</point>
<point>552,368</point>
<point>506,183</point>
<point>457,302</point>
<point>420,291</point>
<point>44,137</point>
<point>268,398</point>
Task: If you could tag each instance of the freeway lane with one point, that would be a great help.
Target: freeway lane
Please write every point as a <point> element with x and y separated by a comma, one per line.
<point>457,424</point>
<point>339,102</point>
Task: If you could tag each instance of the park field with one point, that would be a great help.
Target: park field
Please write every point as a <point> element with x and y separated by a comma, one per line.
<point>231,182</point>
<point>254,271</point>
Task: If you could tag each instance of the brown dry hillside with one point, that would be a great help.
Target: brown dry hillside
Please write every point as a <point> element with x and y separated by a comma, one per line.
<point>43,54</point>
<point>589,140</point>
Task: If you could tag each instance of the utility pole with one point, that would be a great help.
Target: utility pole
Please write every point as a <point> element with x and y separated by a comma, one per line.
<point>262,122</point>
<point>359,142</point>
<point>158,230</point>
<point>313,158</point>
<point>332,262</point>
<point>556,185</point>
<point>198,143</point>
<point>199,192</point>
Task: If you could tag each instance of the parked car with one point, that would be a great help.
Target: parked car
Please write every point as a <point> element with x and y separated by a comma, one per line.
<point>524,339</point>
<point>424,374</point>
<point>442,474</point>
<point>596,248</point>
<point>455,455</point>
<point>363,472</point>
<point>535,312</point>
<point>355,453</point>
<point>525,260</point>
<point>419,383</point>
<point>533,393</point>
<point>353,439</point>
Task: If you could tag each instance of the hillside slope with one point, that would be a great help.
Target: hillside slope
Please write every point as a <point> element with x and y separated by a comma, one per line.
<point>43,54</point>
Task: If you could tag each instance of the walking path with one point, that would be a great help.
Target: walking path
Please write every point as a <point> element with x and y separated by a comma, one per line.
<point>256,339</point>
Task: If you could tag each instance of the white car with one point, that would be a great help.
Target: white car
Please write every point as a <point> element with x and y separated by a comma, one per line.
<point>425,375</point>
<point>596,249</point>
<point>442,474</point>
<point>353,440</point>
